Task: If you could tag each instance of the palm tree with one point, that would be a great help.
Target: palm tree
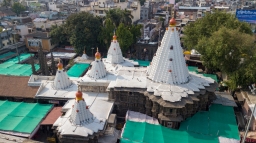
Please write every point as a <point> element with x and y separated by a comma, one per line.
<point>126,17</point>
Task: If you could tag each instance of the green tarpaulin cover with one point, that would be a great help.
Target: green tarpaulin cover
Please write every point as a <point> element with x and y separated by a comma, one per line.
<point>21,117</point>
<point>77,69</point>
<point>5,55</point>
<point>143,63</point>
<point>11,66</point>
<point>203,127</point>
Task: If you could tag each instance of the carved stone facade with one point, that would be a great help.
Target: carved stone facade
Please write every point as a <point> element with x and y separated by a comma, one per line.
<point>97,89</point>
<point>169,114</point>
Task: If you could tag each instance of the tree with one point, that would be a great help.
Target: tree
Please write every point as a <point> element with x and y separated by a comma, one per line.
<point>125,37</point>
<point>58,34</point>
<point>207,25</point>
<point>53,65</point>
<point>18,8</point>
<point>126,17</point>
<point>106,33</point>
<point>83,29</point>
<point>225,50</point>
<point>136,32</point>
<point>142,2</point>
<point>6,3</point>
<point>118,16</point>
<point>32,65</point>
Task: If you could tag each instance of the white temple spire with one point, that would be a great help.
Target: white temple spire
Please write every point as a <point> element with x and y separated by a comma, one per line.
<point>80,111</point>
<point>98,69</point>
<point>114,52</point>
<point>84,56</point>
<point>168,65</point>
<point>61,80</point>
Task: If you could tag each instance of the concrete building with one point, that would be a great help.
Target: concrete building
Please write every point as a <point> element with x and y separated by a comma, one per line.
<point>98,8</point>
<point>34,39</point>
<point>7,37</point>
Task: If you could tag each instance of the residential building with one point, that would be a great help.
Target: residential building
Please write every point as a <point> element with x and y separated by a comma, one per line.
<point>49,15</point>
<point>33,41</point>
<point>6,12</point>
<point>21,31</point>
<point>101,6</point>
<point>6,37</point>
<point>44,24</point>
<point>144,13</point>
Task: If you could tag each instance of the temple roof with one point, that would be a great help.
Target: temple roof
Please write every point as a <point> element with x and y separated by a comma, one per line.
<point>84,56</point>
<point>168,65</point>
<point>80,111</point>
<point>98,69</point>
<point>114,52</point>
<point>61,80</point>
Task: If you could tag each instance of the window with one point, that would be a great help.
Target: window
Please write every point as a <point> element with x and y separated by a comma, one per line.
<point>101,11</point>
<point>169,124</point>
<point>170,110</point>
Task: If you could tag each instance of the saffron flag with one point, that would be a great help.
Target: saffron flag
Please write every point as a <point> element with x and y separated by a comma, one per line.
<point>171,1</point>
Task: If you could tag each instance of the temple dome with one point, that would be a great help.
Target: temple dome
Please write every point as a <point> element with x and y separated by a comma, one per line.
<point>172,22</point>
<point>168,66</point>
<point>114,52</point>
<point>61,80</point>
<point>98,69</point>
<point>80,111</point>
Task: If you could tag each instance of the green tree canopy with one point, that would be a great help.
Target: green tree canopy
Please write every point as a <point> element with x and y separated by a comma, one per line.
<point>106,33</point>
<point>142,2</point>
<point>83,29</point>
<point>231,51</point>
<point>59,34</point>
<point>207,25</point>
<point>136,32</point>
<point>118,16</point>
<point>125,37</point>
<point>18,8</point>
<point>6,3</point>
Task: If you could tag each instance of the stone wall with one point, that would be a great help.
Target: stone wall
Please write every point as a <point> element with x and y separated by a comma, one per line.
<point>100,89</point>
<point>126,99</point>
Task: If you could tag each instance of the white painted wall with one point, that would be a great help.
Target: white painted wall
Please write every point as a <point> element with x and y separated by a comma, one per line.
<point>22,30</point>
<point>53,7</point>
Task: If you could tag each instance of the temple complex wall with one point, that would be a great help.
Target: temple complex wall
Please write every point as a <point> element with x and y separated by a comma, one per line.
<point>100,89</point>
<point>126,99</point>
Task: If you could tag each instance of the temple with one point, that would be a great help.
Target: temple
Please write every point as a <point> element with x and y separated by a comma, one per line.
<point>114,52</point>
<point>80,111</point>
<point>85,120</point>
<point>84,56</point>
<point>165,90</point>
<point>98,69</point>
<point>168,65</point>
<point>61,80</point>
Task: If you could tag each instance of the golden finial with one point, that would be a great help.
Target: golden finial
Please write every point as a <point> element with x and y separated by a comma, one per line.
<point>60,65</point>
<point>97,54</point>
<point>114,37</point>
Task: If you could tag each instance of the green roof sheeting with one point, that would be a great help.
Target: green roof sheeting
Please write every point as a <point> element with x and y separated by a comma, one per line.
<point>204,126</point>
<point>77,69</point>
<point>15,60</point>
<point>21,117</point>
<point>143,63</point>
<point>11,66</point>
<point>5,55</point>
